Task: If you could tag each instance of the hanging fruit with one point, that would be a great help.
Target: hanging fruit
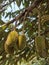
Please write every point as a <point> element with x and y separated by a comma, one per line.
<point>44,19</point>
<point>11,42</point>
<point>22,41</point>
<point>40,46</point>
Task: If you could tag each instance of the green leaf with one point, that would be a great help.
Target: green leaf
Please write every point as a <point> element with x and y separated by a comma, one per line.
<point>3,27</point>
<point>18,2</point>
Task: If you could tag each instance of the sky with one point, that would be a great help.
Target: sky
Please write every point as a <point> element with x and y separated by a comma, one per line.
<point>14,8</point>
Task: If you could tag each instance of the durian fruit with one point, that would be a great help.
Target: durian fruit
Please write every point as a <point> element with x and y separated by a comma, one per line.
<point>40,46</point>
<point>22,42</point>
<point>11,42</point>
<point>44,19</point>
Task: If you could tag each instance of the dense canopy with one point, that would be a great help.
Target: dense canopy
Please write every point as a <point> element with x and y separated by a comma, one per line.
<point>30,19</point>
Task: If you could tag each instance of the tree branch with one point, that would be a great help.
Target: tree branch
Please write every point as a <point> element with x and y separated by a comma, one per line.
<point>28,9</point>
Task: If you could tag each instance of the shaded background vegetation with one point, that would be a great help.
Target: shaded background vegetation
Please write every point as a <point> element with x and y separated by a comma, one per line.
<point>31,30</point>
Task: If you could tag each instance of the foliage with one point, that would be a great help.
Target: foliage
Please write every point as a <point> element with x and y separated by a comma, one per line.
<point>32,25</point>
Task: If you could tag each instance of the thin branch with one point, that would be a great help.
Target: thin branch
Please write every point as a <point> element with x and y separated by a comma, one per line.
<point>1,6</point>
<point>28,9</point>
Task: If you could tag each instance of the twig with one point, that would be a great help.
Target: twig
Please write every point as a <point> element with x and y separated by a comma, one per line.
<point>28,9</point>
